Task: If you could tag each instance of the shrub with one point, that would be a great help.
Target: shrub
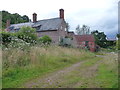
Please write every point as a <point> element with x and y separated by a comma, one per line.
<point>27,34</point>
<point>46,40</point>
<point>18,43</point>
<point>118,44</point>
<point>6,37</point>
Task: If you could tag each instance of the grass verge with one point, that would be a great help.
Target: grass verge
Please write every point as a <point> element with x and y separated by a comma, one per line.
<point>21,66</point>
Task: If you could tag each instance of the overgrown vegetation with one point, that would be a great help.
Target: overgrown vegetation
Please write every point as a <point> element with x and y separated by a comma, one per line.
<point>118,44</point>
<point>25,57</point>
<point>27,34</point>
<point>20,66</point>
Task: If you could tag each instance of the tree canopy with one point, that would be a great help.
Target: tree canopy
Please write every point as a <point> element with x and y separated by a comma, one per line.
<point>83,30</point>
<point>118,35</point>
<point>100,38</point>
<point>14,18</point>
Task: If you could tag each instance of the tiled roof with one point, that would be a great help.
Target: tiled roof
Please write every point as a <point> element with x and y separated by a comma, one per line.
<point>18,26</point>
<point>41,25</point>
<point>81,38</point>
<point>111,39</point>
<point>48,24</point>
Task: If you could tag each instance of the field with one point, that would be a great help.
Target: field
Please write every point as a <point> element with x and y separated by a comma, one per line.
<point>59,67</point>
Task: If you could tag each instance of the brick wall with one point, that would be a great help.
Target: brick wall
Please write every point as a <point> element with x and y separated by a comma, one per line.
<point>54,35</point>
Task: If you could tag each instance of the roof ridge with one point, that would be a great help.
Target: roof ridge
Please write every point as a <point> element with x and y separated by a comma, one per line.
<point>48,19</point>
<point>21,23</point>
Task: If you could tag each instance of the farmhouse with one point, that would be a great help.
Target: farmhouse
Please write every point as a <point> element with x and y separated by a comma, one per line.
<point>56,29</point>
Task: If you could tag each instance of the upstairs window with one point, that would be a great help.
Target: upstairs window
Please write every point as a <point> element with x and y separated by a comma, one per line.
<point>65,29</point>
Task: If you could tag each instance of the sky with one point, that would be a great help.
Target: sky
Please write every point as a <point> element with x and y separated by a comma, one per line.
<point>99,15</point>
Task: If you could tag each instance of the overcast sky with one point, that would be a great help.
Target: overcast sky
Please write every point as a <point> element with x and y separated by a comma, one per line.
<point>99,15</point>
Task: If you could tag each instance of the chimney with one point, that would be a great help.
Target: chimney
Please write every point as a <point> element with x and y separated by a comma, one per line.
<point>7,23</point>
<point>61,13</point>
<point>34,17</point>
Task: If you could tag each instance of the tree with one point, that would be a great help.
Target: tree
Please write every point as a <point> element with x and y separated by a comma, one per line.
<point>100,38</point>
<point>14,18</point>
<point>118,35</point>
<point>67,27</point>
<point>118,42</point>
<point>78,31</point>
<point>83,31</point>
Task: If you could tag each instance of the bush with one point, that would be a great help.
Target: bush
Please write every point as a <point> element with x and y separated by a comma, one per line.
<point>6,37</point>
<point>46,40</point>
<point>27,34</point>
<point>118,44</point>
<point>18,43</point>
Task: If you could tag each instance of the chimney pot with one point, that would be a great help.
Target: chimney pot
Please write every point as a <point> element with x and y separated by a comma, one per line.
<point>61,13</point>
<point>34,17</point>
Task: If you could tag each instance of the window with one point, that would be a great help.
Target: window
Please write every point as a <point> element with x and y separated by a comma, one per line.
<point>65,29</point>
<point>38,27</point>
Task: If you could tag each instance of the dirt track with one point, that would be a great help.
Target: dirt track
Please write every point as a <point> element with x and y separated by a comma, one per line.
<point>77,75</point>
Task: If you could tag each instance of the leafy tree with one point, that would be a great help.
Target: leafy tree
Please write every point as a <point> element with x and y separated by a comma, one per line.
<point>27,34</point>
<point>14,18</point>
<point>82,31</point>
<point>25,18</point>
<point>67,26</point>
<point>118,42</point>
<point>118,35</point>
<point>78,31</point>
<point>100,38</point>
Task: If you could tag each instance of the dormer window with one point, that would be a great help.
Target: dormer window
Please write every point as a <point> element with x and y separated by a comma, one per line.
<point>38,27</point>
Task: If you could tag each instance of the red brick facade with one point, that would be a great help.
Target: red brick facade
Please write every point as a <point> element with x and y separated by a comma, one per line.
<point>84,41</point>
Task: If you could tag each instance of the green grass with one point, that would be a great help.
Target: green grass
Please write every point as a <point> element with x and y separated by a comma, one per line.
<point>91,62</point>
<point>73,77</point>
<point>108,73</point>
<point>22,66</point>
<point>76,75</point>
<point>0,68</point>
<point>107,77</point>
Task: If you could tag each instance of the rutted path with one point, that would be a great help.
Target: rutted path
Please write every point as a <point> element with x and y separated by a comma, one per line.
<point>77,75</point>
<point>57,78</point>
<point>53,78</point>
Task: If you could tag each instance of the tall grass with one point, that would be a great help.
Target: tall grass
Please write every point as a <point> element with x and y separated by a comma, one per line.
<point>0,68</point>
<point>22,65</point>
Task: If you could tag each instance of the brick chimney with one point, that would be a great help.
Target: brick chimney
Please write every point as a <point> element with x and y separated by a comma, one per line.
<point>34,17</point>
<point>7,23</point>
<point>61,13</point>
